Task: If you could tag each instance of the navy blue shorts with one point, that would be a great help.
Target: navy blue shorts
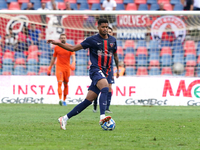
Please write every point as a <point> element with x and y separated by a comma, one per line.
<point>95,76</point>
<point>110,77</point>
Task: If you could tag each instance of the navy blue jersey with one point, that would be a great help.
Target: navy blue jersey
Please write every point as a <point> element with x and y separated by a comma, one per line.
<point>101,52</point>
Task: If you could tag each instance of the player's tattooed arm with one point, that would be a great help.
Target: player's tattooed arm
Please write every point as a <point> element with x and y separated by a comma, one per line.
<point>67,47</point>
<point>116,63</point>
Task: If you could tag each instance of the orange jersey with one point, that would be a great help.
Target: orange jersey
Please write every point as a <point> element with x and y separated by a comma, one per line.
<point>63,58</point>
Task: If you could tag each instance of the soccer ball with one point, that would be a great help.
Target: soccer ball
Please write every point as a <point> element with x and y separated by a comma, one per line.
<point>109,125</point>
<point>178,68</point>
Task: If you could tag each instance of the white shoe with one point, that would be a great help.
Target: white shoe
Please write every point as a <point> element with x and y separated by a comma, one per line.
<point>94,111</point>
<point>108,111</point>
<point>62,123</point>
<point>102,121</point>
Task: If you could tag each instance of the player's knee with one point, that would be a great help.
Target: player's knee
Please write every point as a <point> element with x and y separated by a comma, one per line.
<point>105,90</point>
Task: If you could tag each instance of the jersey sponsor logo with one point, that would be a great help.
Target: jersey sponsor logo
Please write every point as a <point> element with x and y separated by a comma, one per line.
<point>98,43</point>
<point>170,24</point>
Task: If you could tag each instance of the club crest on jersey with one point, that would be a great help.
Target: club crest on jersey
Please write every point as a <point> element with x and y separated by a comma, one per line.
<point>111,44</point>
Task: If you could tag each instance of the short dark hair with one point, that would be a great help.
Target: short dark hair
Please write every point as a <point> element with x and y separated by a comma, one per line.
<point>63,35</point>
<point>102,20</point>
<point>110,28</point>
<point>10,28</point>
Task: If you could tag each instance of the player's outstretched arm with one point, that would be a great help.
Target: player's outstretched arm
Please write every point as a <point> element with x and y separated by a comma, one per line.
<point>116,63</point>
<point>67,47</point>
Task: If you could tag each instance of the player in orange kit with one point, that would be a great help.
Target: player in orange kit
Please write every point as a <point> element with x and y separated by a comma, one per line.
<point>63,68</point>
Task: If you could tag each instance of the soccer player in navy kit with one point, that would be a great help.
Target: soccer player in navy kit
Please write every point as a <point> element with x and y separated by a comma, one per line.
<point>111,81</point>
<point>102,47</point>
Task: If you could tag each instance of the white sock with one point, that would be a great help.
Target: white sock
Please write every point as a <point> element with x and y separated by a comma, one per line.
<point>65,118</point>
<point>102,116</point>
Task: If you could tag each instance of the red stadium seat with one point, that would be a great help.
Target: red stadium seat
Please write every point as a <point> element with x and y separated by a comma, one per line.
<point>72,73</point>
<point>9,55</point>
<point>45,1</point>
<point>70,1</point>
<point>43,69</point>
<point>189,71</point>
<point>189,48</point>
<point>166,71</point>
<point>61,6</point>
<point>120,50</point>
<point>140,2</point>
<point>80,41</point>
<point>166,50</point>
<point>141,71</point>
<point>198,60</point>
<point>23,1</point>
<point>14,6</point>
<point>164,1</point>
<point>154,63</point>
<point>33,55</point>
<point>167,7</point>
<point>93,1</point>
<point>129,59</point>
<point>32,48</point>
<point>129,43</point>
<point>31,73</point>
<point>131,6</point>
<point>6,73</point>
<point>191,63</point>
<point>141,50</point>
<point>20,61</point>
<point>119,1</point>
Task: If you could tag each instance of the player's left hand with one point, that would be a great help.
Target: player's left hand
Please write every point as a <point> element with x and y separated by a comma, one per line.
<point>117,75</point>
<point>52,42</point>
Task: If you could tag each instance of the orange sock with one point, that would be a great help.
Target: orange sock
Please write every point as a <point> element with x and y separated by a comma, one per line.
<point>60,90</point>
<point>65,91</point>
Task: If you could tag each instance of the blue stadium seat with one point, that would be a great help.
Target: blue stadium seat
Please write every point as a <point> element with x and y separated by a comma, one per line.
<point>73,6</point>
<point>154,6</point>
<point>70,41</point>
<point>154,71</point>
<point>178,50</point>
<point>35,1</point>
<point>7,68</point>
<point>7,61</point>
<point>82,54</point>
<point>119,43</point>
<point>198,71</point>
<point>101,1</point>
<point>59,0</point>
<point>9,47</point>
<point>151,2</point>
<point>128,1</point>
<point>96,6</point>
<point>32,62</point>
<point>120,57</point>
<point>173,2</point>
<point>166,60</point>
<point>153,46</point>
<point>141,43</point>
<point>120,7</point>
<point>81,61</point>
<point>190,57</point>
<point>8,1</point>
<point>81,71</point>
<point>141,60</point>
<point>154,56</point>
<point>37,5</point>
<point>3,5</point>
<point>165,44</point>
<point>81,1</point>
<point>178,58</point>
<point>19,70</point>
<point>198,48</point>
<point>129,50</point>
<point>130,71</point>
<point>84,6</point>
<point>44,61</point>
<point>143,7</point>
<point>23,6</point>
<point>178,7</point>
<point>32,68</point>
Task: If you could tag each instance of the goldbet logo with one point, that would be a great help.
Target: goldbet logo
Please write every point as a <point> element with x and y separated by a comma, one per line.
<point>193,89</point>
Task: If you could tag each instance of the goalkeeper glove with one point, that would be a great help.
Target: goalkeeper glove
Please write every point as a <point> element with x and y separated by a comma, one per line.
<point>73,66</point>
<point>49,71</point>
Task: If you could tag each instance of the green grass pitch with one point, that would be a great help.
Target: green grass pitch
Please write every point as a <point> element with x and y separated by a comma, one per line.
<point>35,126</point>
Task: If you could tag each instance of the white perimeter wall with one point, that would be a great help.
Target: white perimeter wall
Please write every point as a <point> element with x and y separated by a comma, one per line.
<point>126,90</point>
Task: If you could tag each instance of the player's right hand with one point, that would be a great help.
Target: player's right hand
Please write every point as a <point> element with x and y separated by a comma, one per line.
<point>52,42</point>
<point>49,71</point>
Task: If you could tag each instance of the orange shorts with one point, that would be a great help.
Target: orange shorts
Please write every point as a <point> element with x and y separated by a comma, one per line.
<point>63,75</point>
